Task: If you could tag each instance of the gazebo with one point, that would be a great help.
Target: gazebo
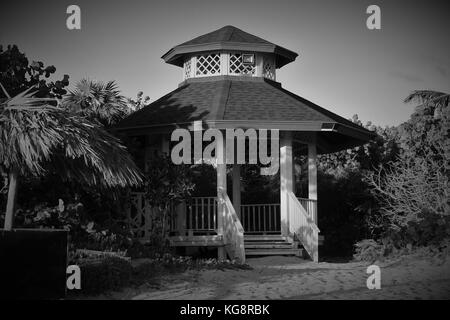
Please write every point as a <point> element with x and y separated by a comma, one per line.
<point>229,82</point>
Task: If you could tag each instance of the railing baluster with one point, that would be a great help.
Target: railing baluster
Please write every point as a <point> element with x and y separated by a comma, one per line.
<point>215,214</point>
<point>254,217</point>
<point>243,218</point>
<point>208,213</point>
<point>203,215</point>
<point>258,218</point>
<point>211,215</point>
<point>270,217</point>
<point>196,213</point>
<point>248,219</point>
<point>264,218</point>
<point>276,218</point>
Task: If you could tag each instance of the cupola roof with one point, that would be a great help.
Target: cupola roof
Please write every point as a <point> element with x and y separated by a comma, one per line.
<point>228,38</point>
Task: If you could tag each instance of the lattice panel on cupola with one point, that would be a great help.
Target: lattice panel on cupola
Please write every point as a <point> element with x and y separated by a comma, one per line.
<point>269,69</point>
<point>237,67</point>
<point>208,64</point>
<point>187,68</point>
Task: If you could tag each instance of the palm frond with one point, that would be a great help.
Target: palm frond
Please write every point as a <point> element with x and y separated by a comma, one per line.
<point>97,100</point>
<point>426,97</point>
<point>36,136</point>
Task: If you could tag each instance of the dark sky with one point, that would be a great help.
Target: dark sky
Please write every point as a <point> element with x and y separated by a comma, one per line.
<point>342,66</point>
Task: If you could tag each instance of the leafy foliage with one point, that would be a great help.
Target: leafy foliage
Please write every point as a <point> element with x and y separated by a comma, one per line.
<point>382,149</point>
<point>406,189</point>
<point>100,275</point>
<point>17,75</point>
<point>368,250</point>
<point>139,102</point>
<point>110,273</point>
<point>35,135</point>
<point>415,186</point>
<point>165,185</point>
<point>83,232</point>
<point>97,101</point>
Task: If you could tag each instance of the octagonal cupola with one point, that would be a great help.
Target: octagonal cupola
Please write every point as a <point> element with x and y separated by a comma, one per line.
<point>229,51</point>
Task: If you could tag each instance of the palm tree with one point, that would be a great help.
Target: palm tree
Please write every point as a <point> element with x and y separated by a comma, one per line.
<point>429,98</point>
<point>139,102</point>
<point>38,135</point>
<point>97,100</point>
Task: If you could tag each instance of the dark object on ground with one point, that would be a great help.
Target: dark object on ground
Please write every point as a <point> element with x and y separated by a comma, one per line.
<point>33,264</point>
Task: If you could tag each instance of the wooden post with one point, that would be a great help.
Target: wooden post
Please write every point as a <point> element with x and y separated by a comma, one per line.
<point>165,145</point>
<point>237,189</point>
<point>181,218</point>
<point>312,175</point>
<point>11,202</point>
<point>286,179</point>
<point>259,64</point>
<point>312,171</point>
<point>221,187</point>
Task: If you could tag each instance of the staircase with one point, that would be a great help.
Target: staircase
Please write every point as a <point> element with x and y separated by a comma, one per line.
<point>267,245</point>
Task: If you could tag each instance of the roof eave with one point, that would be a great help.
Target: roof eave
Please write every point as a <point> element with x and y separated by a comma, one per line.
<point>173,55</point>
<point>322,126</point>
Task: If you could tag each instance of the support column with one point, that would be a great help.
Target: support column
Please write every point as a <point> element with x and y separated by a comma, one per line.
<point>10,205</point>
<point>165,145</point>
<point>221,186</point>
<point>312,171</point>
<point>181,218</point>
<point>237,189</point>
<point>286,179</point>
<point>312,175</point>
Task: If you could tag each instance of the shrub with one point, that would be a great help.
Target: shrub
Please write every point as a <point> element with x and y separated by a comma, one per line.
<point>100,275</point>
<point>368,250</point>
<point>108,236</point>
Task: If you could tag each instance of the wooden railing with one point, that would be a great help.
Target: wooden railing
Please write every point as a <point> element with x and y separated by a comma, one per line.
<point>233,232</point>
<point>303,227</point>
<point>261,218</point>
<point>139,216</point>
<point>201,214</point>
<point>310,206</point>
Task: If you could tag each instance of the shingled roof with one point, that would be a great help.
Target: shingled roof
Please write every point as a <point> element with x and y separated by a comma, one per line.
<point>228,38</point>
<point>231,102</point>
<point>226,34</point>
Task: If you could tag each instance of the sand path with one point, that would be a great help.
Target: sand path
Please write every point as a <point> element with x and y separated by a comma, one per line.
<point>293,278</point>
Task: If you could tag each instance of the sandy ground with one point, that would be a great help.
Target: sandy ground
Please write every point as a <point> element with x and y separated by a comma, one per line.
<point>294,278</point>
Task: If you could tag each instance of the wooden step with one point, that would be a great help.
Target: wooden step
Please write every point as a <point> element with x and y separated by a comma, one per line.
<point>277,237</point>
<point>196,241</point>
<point>274,252</point>
<point>268,246</point>
<point>266,242</point>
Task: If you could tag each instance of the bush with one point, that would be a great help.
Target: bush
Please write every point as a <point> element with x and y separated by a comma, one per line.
<point>109,273</point>
<point>391,247</point>
<point>107,236</point>
<point>368,250</point>
<point>100,274</point>
<point>430,229</point>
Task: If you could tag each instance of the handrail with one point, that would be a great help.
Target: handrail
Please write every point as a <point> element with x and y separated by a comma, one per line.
<point>303,226</point>
<point>310,206</point>
<point>233,232</point>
